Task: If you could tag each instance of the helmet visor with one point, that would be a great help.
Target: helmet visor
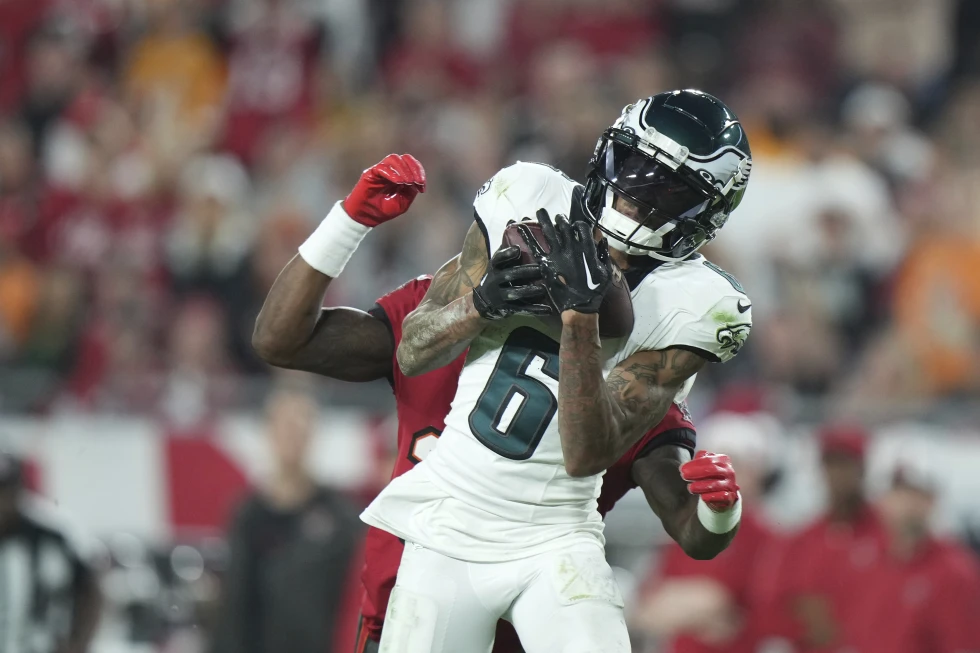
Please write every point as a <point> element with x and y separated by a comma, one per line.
<point>649,182</point>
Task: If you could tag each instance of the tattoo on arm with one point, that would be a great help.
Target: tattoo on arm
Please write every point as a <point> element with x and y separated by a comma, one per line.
<point>645,384</point>
<point>445,322</point>
<point>599,420</point>
<point>462,273</point>
<point>658,475</point>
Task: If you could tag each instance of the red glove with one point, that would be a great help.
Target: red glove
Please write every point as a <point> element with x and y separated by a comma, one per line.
<point>712,477</point>
<point>385,190</point>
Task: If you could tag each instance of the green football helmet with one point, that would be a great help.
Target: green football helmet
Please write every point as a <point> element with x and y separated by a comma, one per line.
<point>683,159</point>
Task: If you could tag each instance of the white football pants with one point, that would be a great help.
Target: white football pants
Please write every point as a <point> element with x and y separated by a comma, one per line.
<point>564,601</point>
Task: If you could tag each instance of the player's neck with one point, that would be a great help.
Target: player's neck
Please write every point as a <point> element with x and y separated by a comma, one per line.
<point>846,511</point>
<point>907,545</point>
<point>289,489</point>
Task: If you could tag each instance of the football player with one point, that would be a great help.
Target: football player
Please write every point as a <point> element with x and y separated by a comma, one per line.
<point>293,331</point>
<point>500,520</point>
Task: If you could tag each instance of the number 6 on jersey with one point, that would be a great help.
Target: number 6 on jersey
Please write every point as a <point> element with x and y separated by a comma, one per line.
<point>515,408</point>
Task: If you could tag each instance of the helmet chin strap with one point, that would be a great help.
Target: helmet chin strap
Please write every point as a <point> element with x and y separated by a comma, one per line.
<point>628,229</point>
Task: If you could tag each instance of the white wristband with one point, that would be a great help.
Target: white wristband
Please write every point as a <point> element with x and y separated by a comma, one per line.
<point>719,522</point>
<point>331,245</point>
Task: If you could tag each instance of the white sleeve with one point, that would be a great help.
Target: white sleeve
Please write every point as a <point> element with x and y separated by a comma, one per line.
<point>512,193</point>
<point>719,332</point>
<point>693,304</point>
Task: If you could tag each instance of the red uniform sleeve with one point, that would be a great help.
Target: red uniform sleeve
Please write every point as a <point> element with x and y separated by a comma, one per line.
<point>394,306</point>
<point>956,605</point>
<point>677,427</point>
<point>392,309</point>
<point>772,590</point>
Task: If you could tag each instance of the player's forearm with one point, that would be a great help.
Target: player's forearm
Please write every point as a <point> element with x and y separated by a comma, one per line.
<point>293,331</point>
<point>658,475</point>
<point>588,416</point>
<point>697,541</point>
<point>290,312</point>
<point>434,336</point>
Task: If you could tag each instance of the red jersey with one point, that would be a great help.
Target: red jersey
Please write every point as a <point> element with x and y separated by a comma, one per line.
<point>928,604</point>
<point>272,64</point>
<point>736,568</point>
<point>422,404</point>
<point>829,562</point>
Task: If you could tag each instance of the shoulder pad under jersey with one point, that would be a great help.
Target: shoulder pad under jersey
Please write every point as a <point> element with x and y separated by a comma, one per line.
<point>516,193</point>
<point>693,304</point>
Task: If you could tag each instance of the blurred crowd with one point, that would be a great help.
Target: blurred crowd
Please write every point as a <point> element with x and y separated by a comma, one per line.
<point>160,160</point>
<point>867,575</point>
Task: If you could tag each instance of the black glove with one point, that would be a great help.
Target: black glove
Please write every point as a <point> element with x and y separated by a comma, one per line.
<point>577,270</point>
<point>508,288</point>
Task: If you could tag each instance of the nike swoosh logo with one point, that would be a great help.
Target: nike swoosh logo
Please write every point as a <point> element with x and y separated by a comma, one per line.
<point>743,307</point>
<point>588,275</point>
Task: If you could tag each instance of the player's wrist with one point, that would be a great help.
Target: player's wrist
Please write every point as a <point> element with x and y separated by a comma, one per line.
<point>473,309</point>
<point>333,242</point>
<point>721,522</point>
<point>572,317</point>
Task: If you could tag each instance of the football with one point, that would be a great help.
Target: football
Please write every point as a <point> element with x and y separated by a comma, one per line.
<point>616,311</point>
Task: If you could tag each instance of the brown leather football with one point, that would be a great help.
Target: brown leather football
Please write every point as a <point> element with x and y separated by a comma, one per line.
<point>616,311</point>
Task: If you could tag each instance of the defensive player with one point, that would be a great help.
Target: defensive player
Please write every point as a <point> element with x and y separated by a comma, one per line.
<point>500,519</point>
<point>292,331</point>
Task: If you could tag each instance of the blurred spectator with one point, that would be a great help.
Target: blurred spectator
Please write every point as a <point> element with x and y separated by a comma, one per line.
<point>933,348</point>
<point>818,578</point>
<point>164,131</point>
<point>19,19</point>
<point>53,66</point>
<point>703,606</point>
<point>292,174</point>
<point>790,193</point>
<point>19,277</point>
<point>907,43</point>
<point>966,25</point>
<point>56,326</point>
<point>18,184</point>
<point>198,383</point>
<point>274,62</point>
<point>212,232</point>
<point>879,118</point>
<point>50,594</point>
<point>924,594</point>
<point>607,31</point>
<point>175,78</point>
<point>292,550</point>
<point>956,130</point>
<point>18,302</point>
<point>426,63</point>
<point>787,46</point>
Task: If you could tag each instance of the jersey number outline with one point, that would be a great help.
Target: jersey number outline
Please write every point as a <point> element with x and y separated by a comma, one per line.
<point>728,276</point>
<point>525,422</point>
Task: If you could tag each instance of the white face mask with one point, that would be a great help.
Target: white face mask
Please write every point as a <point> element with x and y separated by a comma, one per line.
<point>625,227</point>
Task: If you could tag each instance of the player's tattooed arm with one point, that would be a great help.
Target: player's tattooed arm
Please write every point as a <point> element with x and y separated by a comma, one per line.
<point>658,475</point>
<point>600,419</point>
<point>445,322</point>
<point>293,330</point>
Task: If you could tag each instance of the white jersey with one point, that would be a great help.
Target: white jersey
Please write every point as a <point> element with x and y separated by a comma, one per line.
<point>496,488</point>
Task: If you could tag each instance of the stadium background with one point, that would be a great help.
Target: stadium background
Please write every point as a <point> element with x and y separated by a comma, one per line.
<point>160,160</point>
